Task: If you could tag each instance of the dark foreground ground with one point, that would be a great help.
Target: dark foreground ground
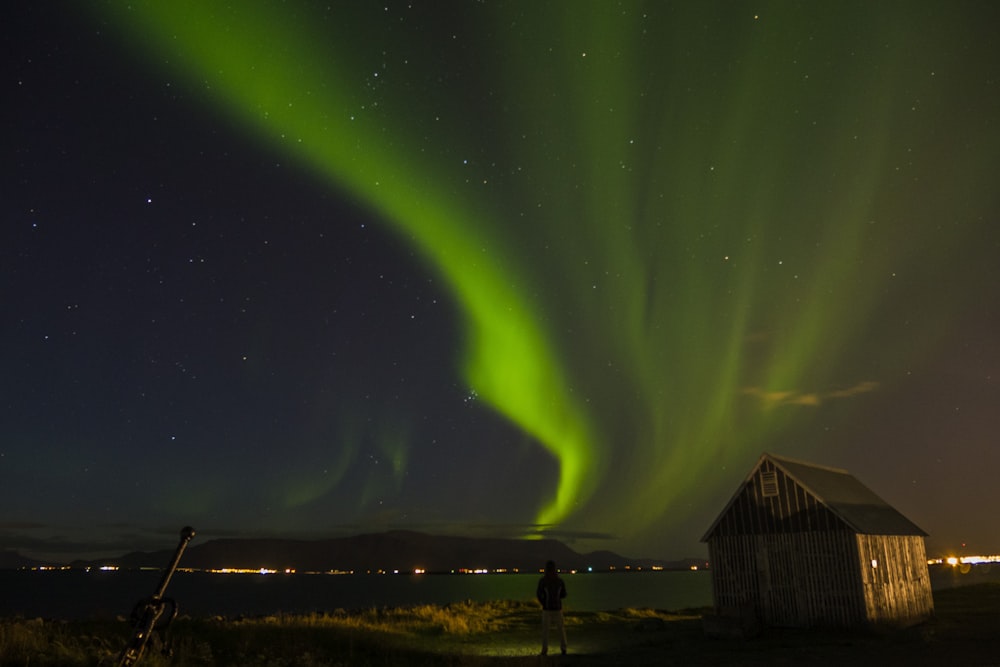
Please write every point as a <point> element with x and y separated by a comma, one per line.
<point>964,631</point>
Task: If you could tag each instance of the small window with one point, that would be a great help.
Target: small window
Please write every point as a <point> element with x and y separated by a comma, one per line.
<point>769,484</point>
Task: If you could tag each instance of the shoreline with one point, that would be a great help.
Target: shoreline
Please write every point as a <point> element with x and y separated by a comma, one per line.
<point>962,631</point>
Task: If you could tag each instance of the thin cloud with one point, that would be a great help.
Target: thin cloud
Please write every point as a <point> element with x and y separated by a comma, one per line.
<point>860,388</point>
<point>773,399</point>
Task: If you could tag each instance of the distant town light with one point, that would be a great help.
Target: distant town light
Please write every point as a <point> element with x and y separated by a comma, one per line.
<point>964,560</point>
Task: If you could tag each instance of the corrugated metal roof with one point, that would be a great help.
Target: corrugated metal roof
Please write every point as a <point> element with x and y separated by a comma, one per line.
<point>846,497</point>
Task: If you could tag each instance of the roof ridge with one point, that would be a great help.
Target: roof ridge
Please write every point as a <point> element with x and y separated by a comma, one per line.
<point>788,459</point>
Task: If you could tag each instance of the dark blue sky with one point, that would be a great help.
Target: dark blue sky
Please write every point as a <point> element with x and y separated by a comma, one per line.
<point>789,245</point>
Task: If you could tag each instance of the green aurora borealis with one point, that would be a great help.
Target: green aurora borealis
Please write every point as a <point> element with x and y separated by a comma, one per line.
<point>677,234</point>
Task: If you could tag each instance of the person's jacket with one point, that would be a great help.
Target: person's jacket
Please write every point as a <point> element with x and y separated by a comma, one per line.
<point>551,591</point>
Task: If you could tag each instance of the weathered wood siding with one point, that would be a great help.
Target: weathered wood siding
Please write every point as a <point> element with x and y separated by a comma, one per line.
<point>783,555</point>
<point>895,579</point>
<point>789,579</point>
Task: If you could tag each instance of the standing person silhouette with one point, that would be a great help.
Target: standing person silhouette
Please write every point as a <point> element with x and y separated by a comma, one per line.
<point>551,591</point>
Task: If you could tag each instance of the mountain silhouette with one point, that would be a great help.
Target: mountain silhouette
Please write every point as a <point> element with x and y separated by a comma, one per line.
<point>394,551</point>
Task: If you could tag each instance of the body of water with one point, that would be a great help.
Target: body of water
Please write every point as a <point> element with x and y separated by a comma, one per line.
<point>79,594</point>
<point>74,594</point>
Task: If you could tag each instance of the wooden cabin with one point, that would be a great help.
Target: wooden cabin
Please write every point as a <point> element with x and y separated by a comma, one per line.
<point>803,545</point>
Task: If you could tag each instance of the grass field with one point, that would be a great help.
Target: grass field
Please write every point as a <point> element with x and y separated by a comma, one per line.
<point>965,630</point>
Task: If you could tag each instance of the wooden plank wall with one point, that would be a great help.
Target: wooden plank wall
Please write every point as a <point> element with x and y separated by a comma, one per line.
<point>895,579</point>
<point>789,579</point>
<point>734,574</point>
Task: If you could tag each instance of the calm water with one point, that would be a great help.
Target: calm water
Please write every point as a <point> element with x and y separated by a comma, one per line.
<point>79,594</point>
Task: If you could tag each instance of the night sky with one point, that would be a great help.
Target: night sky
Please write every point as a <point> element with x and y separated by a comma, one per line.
<point>492,268</point>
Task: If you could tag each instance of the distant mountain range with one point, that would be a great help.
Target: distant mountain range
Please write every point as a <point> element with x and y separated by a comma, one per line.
<point>12,560</point>
<point>402,551</point>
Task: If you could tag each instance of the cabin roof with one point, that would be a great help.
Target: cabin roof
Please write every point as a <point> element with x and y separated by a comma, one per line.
<point>850,500</point>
